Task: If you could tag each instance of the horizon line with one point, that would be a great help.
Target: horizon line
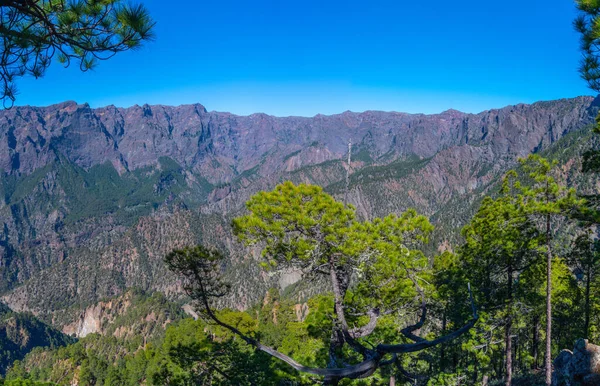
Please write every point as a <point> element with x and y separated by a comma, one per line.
<point>68,102</point>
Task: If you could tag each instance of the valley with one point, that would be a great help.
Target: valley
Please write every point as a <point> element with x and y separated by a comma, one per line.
<point>95,198</point>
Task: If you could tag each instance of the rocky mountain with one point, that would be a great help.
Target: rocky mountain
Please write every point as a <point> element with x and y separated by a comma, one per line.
<point>20,333</point>
<point>108,331</point>
<point>130,316</point>
<point>92,199</point>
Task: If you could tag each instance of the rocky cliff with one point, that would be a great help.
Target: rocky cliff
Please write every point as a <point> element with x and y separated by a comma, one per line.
<point>92,199</point>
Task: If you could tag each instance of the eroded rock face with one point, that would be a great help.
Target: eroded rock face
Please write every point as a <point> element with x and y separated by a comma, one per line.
<point>92,199</point>
<point>561,374</point>
<point>578,368</point>
<point>131,314</point>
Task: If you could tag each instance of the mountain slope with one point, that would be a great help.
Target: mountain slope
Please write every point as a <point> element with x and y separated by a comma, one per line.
<point>94,198</point>
<point>21,333</point>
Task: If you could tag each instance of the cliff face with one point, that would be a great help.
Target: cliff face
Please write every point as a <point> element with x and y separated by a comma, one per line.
<point>131,315</point>
<point>221,146</point>
<point>92,199</point>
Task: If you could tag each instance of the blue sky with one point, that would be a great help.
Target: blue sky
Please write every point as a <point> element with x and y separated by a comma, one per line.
<point>309,57</point>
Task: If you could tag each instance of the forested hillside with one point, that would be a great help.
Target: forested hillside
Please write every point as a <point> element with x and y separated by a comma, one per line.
<point>499,256</point>
<point>21,333</point>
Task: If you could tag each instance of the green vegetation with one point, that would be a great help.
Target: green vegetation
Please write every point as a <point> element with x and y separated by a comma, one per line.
<point>373,174</point>
<point>190,353</point>
<point>500,243</point>
<point>33,31</point>
<point>372,268</point>
<point>547,200</point>
<point>387,309</point>
<point>133,321</point>
<point>521,272</point>
<point>390,305</point>
<point>101,190</point>
<point>21,333</point>
<point>292,321</point>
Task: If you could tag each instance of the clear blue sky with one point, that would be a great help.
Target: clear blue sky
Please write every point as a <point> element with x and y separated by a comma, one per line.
<point>309,57</point>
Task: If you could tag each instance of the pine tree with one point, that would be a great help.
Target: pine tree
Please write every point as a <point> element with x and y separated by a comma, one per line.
<point>585,260</point>
<point>372,268</point>
<point>501,242</point>
<point>83,31</point>
<point>546,202</point>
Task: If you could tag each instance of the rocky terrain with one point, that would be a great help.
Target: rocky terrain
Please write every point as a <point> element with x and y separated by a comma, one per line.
<point>92,199</point>
<point>116,326</point>
<point>20,333</point>
<point>580,367</point>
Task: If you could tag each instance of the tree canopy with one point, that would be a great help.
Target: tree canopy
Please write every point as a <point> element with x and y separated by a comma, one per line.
<point>373,269</point>
<point>501,242</point>
<point>375,305</point>
<point>587,24</point>
<point>33,32</point>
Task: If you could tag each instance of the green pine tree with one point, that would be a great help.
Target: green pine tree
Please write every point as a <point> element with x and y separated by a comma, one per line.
<point>546,201</point>
<point>80,31</point>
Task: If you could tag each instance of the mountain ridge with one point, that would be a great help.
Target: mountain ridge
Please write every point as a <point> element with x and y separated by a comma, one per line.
<point>111,123</point>
<point>151,105</point>
<point>92,199</point>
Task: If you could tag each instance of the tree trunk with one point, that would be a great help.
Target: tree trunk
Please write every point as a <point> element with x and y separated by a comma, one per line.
<point>340,280</point>
<point>393,380</point>
<point>536,341</point>
<point>337,337</point>
<point>476,372</point>
<point>548,306</point>
<point>517,353</point>
<point>443,346</point>
<point>586,327</point>
<point>507,338</point>
<point>455,360</point>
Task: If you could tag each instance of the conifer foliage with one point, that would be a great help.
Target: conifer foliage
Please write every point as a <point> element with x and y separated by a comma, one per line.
<point>33,32</point>
<point>374,268</point>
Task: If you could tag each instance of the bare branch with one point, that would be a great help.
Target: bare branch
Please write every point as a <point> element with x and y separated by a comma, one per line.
<point>198,266</point>
<point>367,329</point>
<point>424,344</point>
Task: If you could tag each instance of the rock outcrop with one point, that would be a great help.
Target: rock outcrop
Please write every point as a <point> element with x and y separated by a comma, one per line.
<point>21,333</point>
<point>580,367</point>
